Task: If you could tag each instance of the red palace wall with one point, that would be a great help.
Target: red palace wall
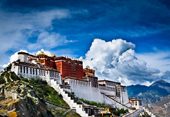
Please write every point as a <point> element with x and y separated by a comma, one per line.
<point>66,66</point>
<point>70,69</point>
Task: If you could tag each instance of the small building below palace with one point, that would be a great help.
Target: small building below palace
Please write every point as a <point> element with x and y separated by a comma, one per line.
<point>136,103</point>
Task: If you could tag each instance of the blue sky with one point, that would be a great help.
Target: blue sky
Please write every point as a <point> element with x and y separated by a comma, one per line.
<point>67,27</point>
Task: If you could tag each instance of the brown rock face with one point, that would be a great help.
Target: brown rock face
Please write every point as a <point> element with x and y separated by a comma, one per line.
<point>18,99</point>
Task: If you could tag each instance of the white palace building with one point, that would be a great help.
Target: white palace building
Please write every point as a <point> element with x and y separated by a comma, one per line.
<point>89,87</point>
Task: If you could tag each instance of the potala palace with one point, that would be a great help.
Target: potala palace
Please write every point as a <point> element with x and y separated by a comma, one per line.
<point>67,75</point>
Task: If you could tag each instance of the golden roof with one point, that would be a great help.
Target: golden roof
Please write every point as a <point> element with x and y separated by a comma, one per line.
<point>53,55</point>
<point>41,53</point>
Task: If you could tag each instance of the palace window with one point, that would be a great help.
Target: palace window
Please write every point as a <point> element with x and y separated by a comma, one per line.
<point>140,103</point>
<point>30,70</point>
<point>27,69</point>
<point>50,73</point>
<point>20,69</point>
<point>24,69</point>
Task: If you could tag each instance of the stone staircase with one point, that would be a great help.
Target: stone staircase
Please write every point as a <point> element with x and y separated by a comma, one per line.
<point>116,103</point>
<point>78,107</point>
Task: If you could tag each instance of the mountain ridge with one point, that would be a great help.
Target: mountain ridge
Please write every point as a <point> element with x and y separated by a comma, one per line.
<point>150,94</point>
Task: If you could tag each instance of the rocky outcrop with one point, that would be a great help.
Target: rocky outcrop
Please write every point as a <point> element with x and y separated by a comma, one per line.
<point>18,99</point>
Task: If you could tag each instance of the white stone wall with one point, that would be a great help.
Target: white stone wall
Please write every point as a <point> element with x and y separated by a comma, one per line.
<point>117,99</point>
<point>114,103</point>
<point>31,72</point>
<point>108,90</point>
<point>14,68</point>
<point>23,57</point>
<point>83,89</point>
<point>124,97</point>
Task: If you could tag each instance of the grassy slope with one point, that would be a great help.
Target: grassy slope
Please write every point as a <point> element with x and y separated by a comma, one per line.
<point>46,92</point>
<point>60,113</point>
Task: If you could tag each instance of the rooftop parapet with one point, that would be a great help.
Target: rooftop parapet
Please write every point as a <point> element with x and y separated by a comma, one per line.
<point>68,59</point>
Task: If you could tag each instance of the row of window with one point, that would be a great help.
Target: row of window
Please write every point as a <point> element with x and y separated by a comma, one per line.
<point>33,71</point>
<point>79,82</point>
<point>54,74</point>
<point>37,71</point>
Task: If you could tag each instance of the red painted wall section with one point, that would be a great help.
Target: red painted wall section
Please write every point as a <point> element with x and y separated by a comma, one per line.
<point>66,66</point>
<point>70,69</point>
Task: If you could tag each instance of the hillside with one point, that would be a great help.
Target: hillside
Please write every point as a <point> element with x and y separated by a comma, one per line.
<point>160,108</point>
<point>151,94</point>
<point>22,97</point>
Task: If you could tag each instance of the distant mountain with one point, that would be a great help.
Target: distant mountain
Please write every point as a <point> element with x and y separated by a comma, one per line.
<point>151,94</point>
<point>134,90</point>
<point>162,85</point>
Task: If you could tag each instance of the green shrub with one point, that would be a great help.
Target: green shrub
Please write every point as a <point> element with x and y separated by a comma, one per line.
<point>3,74</point>
<point>7,76</point>
<point>81,99</point>
<point>101,105</point>
<point>76,99</point>
<point>14,76</point>
<point>24,79</point>
<point>126,111</point>
<point>2,80</point>
<point>133,108</point>
<point>86,101</point>
<point>44,82</point>
<point>118,111</point>
<point>32,81</point>
<point>93,103</point>
<point>38,80</point>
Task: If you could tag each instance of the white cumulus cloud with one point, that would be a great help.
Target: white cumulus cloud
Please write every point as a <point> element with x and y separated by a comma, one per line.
<point>116,60</point>
<point>157,59</point>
